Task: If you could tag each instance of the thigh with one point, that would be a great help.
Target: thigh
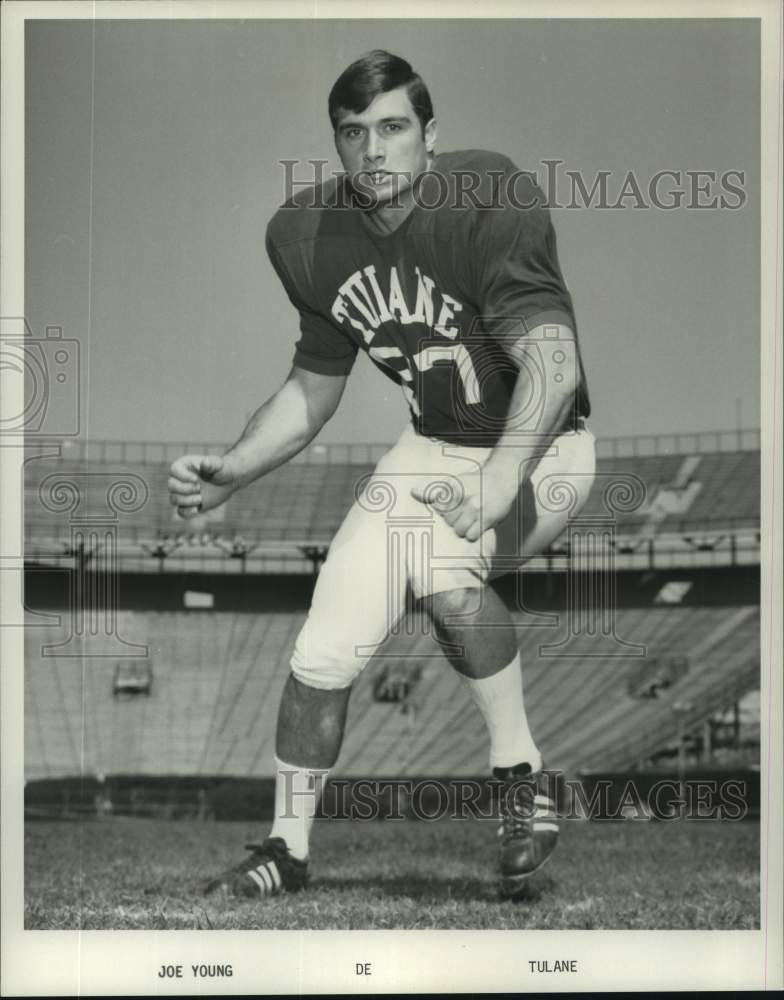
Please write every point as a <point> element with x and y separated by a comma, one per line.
<point>361,587</point>
<point>556,491</point>
<point>438,559</point>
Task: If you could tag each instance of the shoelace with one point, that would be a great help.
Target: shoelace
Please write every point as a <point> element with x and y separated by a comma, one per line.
<point>258,852</point>
<point>266,852</point>
<point>517,814</point>
<point>514,828</point>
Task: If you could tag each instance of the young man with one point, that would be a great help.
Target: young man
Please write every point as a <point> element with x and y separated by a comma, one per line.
<point>444,269</point>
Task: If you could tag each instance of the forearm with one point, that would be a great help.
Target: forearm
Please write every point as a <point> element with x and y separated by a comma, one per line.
<point>532,426</point>
<point>277,431</point>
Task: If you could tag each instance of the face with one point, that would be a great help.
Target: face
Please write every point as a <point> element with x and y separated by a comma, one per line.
<point>382,148</point>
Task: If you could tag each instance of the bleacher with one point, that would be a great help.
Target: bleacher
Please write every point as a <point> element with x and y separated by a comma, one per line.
<point>304,501</point>
<point>296,501</point>
<point>214,678</point>
<point>218,677</point>
<point>644,474</point>
<point>729,494</point>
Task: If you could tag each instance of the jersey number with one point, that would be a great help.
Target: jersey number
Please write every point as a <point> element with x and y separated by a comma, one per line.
<point>458,354</point>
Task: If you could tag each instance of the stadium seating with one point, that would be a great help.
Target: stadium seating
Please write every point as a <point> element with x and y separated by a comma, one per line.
<point>218,675</point>
<point>216,684</point>
<point>730,491</point>
<point>296,501</point>
<point>302,501</point>
<point>724,667</point>
<point>218,678</point>
<point>643,474</point>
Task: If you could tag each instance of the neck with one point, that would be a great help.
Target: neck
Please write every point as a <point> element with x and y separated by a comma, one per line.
<point>387,218</point>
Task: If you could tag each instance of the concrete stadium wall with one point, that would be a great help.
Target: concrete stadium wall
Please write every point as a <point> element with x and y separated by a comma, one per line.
<point>47,589</point>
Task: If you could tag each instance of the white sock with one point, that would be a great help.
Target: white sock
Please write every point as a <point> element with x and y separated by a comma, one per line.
<point>500,700</point>
<point>297,793</point>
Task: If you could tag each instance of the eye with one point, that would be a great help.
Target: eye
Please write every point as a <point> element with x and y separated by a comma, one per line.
<point>392,127</point>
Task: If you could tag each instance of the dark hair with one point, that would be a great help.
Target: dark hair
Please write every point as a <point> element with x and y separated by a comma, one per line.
<point>375,73</point>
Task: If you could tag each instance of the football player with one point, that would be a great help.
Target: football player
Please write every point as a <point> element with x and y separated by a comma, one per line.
<point>442,266</point>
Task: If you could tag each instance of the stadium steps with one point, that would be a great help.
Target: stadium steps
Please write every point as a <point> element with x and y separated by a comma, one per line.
<point>580,704</point>
<point>717,645</point>
<point>730,490</point>
<point>670,632</point>
<point>559,678</point>
<point>719,675</point>
<point>660,731</point>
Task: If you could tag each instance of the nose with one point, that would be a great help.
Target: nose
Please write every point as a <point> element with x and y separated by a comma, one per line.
<point>374,150</point>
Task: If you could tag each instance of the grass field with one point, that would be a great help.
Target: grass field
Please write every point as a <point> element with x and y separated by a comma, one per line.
<point>124,873</point>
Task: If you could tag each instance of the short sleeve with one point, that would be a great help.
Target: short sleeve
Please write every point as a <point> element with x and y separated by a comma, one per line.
<point>323,347</point>
<point>519,281</point>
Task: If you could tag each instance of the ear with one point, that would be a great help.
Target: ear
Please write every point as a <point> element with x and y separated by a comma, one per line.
<point>431,134</point>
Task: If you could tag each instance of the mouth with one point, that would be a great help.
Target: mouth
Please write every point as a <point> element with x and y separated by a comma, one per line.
<point>376,177</point>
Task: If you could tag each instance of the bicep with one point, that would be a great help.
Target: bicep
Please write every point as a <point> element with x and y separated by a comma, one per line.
<point>549,354</point>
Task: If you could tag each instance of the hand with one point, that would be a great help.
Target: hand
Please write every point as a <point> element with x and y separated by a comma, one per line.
<point>486,500</point>
<point>198,483</point>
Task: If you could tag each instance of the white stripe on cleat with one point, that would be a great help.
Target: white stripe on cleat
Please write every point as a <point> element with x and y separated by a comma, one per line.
<point>273,869</point>
<point>259,881</point>
<point>262,870</point>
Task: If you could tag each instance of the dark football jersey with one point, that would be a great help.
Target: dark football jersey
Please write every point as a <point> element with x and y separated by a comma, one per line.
<point>434,303</point>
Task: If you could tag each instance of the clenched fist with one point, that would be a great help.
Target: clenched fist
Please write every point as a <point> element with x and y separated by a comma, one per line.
<point>198,483</point>
<point>483,501</point>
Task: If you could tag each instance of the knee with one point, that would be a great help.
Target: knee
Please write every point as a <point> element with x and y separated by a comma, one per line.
<point>324,669</point>
<point>452,609</point>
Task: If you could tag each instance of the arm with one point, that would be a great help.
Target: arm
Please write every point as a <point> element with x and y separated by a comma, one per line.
<point>520,286</point>
<point>488,494</point>
<point>285,424</point>
<point>523,438</point>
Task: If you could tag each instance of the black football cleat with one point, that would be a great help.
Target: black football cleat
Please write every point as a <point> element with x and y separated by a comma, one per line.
<point>528,830</point>
<point>268,871</point>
